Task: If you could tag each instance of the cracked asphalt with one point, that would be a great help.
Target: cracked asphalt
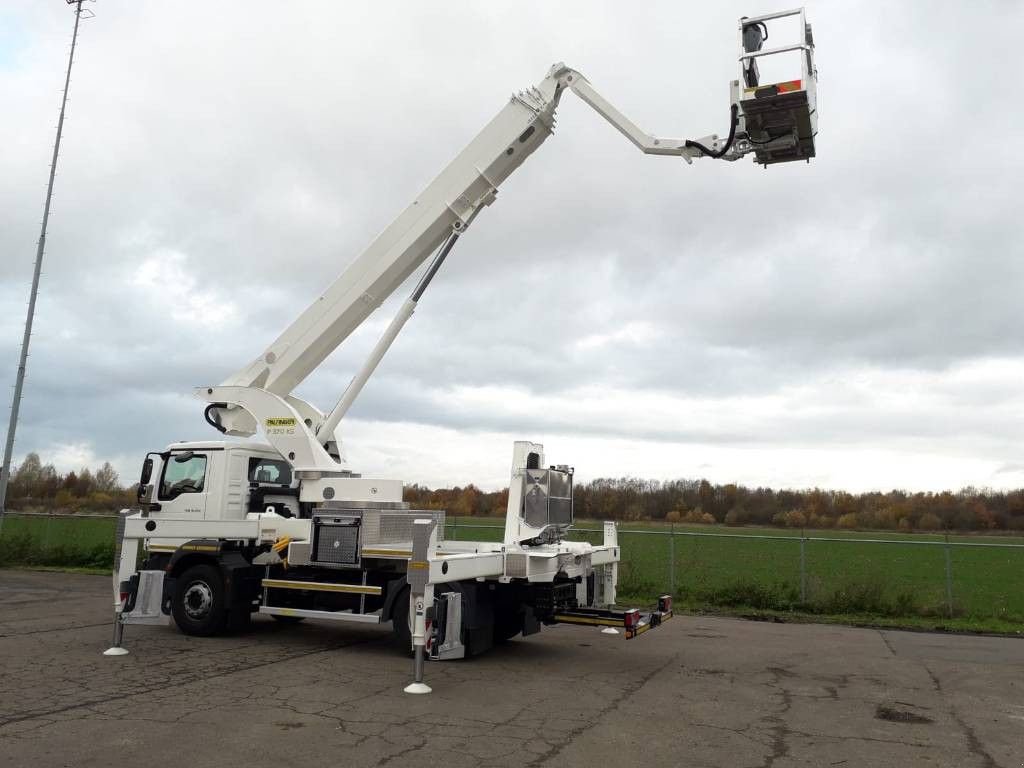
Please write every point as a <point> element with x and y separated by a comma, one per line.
<point>700,691</point>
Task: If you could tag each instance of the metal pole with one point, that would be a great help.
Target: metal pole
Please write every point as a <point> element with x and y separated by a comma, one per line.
<point>949,580</point>
<point>117,649</point>
<point>19,382</point>
<point>672,559</point>
<point>803,568</point>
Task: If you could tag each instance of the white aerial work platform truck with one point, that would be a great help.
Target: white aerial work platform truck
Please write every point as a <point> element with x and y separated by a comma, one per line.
<point>230,528</point>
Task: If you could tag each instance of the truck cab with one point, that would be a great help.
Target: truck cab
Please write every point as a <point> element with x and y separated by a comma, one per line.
<point>215,480</point>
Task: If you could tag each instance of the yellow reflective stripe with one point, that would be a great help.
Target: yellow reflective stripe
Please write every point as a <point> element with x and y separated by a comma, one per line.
<point>401,553</point>
<point>357,589</point>
<point>419,564</point>
<point>609,622</point>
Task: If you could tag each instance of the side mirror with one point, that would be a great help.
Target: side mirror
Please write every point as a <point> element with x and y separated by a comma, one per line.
<point>147,472</point>
<point>143,493</point>
<point>181,458</point>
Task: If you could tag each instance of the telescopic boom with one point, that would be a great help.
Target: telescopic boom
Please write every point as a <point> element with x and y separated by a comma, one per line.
<point>260,394</point>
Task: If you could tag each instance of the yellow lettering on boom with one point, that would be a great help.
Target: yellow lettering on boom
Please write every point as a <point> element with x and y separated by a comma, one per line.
<point>280,422</point>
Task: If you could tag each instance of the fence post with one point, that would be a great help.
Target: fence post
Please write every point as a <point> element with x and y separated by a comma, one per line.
<point>455,526</point>
<point>46,533</point>
<point>949,580</point>
<point>672,560</point>
<point>803,567</point>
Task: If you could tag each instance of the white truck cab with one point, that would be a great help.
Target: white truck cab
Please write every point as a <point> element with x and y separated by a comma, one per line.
<point>216,480</point>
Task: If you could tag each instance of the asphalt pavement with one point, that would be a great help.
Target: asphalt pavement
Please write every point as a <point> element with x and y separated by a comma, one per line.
<point>700,691</point>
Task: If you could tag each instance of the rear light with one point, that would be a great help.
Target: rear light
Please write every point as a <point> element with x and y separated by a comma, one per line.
<point>665,603</point>
<point>124,596</point>
<point>631,618</point>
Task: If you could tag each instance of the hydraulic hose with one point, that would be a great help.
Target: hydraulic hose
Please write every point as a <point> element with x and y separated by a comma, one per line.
<point>211,417</point>
<point>735,119</point>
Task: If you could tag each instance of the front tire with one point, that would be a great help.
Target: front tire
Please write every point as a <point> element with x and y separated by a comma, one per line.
<point>198,601</point>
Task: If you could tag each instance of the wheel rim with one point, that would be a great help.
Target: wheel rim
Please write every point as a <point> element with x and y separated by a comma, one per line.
<point>197,600</point>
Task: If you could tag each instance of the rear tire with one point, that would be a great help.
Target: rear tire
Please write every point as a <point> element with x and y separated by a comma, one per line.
<point>198,601</point>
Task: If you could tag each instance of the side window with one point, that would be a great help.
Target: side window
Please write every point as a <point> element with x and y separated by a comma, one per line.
<point>182,477</point>
<point>273,471</point>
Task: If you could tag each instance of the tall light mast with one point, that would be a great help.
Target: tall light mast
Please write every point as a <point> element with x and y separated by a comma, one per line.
<point>19,382</point>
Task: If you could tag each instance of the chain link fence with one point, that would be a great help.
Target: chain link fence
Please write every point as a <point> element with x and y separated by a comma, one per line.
<point>939,577</point>
<point>960,577</point>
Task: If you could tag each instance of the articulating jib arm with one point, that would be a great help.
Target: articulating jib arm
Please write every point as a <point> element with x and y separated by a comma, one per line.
<point>646,143</point>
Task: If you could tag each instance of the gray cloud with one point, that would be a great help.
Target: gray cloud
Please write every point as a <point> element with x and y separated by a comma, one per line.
<point>220,169</point>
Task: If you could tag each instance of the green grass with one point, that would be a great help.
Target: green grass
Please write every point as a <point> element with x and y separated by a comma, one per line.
<point>855,582</point>
<point>64,541</point>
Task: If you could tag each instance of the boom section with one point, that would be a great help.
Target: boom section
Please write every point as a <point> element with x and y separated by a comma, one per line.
<point>448,204</point>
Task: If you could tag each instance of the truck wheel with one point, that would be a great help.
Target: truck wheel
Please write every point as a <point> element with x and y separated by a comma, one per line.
<point>401,632</point>
<point>198,602</point>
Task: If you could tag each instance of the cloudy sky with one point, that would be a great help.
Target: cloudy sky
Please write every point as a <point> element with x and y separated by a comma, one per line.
<point>851,323</point>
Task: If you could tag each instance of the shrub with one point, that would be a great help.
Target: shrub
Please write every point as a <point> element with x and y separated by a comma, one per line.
<point>795,519</point>
<point>697,516</point>
<point>753,594</point>
<point>870,595</point>
<point>849,521</point>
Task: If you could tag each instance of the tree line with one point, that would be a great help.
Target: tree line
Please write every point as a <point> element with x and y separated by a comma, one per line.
<point>703,502</point>
<point>38,486</point>
<point>35,485</point>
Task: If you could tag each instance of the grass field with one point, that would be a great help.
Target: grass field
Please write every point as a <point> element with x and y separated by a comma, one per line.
<point>851,581</point>
<point>57,540</point>
<point>857,581</point>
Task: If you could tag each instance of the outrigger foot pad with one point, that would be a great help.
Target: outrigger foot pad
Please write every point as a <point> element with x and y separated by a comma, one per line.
<point>116,651</point>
